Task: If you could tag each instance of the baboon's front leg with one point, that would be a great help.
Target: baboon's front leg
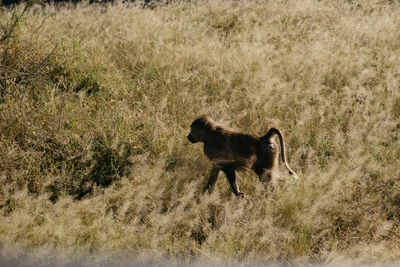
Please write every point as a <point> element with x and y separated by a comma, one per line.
<point>211,181</point>
<point>231,175</point>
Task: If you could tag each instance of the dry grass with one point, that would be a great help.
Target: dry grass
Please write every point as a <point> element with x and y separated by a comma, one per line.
<point>93,155</point>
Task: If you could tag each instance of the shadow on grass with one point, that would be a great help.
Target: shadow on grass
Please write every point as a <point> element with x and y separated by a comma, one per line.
<point>106,165</point>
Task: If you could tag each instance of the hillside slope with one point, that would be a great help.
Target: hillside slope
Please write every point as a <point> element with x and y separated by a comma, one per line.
<point>95,107</point>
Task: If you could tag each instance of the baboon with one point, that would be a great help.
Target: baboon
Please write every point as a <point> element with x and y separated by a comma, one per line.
<point>229,151</point>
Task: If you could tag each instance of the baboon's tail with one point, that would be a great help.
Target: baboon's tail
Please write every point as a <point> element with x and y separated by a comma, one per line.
<point>267,138</point>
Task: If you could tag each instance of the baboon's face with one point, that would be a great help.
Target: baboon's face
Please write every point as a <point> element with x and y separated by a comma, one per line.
<point>197,131</point>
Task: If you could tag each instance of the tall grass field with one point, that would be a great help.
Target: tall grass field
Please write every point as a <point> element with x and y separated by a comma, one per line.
<point>96,103</point>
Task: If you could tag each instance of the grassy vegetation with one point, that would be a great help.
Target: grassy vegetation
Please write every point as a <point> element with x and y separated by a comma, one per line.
<point>96,101</point>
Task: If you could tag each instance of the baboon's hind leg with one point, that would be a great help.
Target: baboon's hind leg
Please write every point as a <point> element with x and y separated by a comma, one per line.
<point>267,178</point>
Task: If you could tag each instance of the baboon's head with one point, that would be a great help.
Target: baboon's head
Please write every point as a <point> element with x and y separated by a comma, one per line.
<point>199,129</point>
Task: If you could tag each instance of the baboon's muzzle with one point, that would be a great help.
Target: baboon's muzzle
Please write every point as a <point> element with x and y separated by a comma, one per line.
<point>191,139</point>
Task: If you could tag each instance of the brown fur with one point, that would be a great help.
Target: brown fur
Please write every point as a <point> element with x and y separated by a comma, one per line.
<point>230,151</point>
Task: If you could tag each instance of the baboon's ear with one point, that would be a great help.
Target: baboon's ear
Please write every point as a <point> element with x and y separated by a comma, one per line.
<point>198,124</point>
